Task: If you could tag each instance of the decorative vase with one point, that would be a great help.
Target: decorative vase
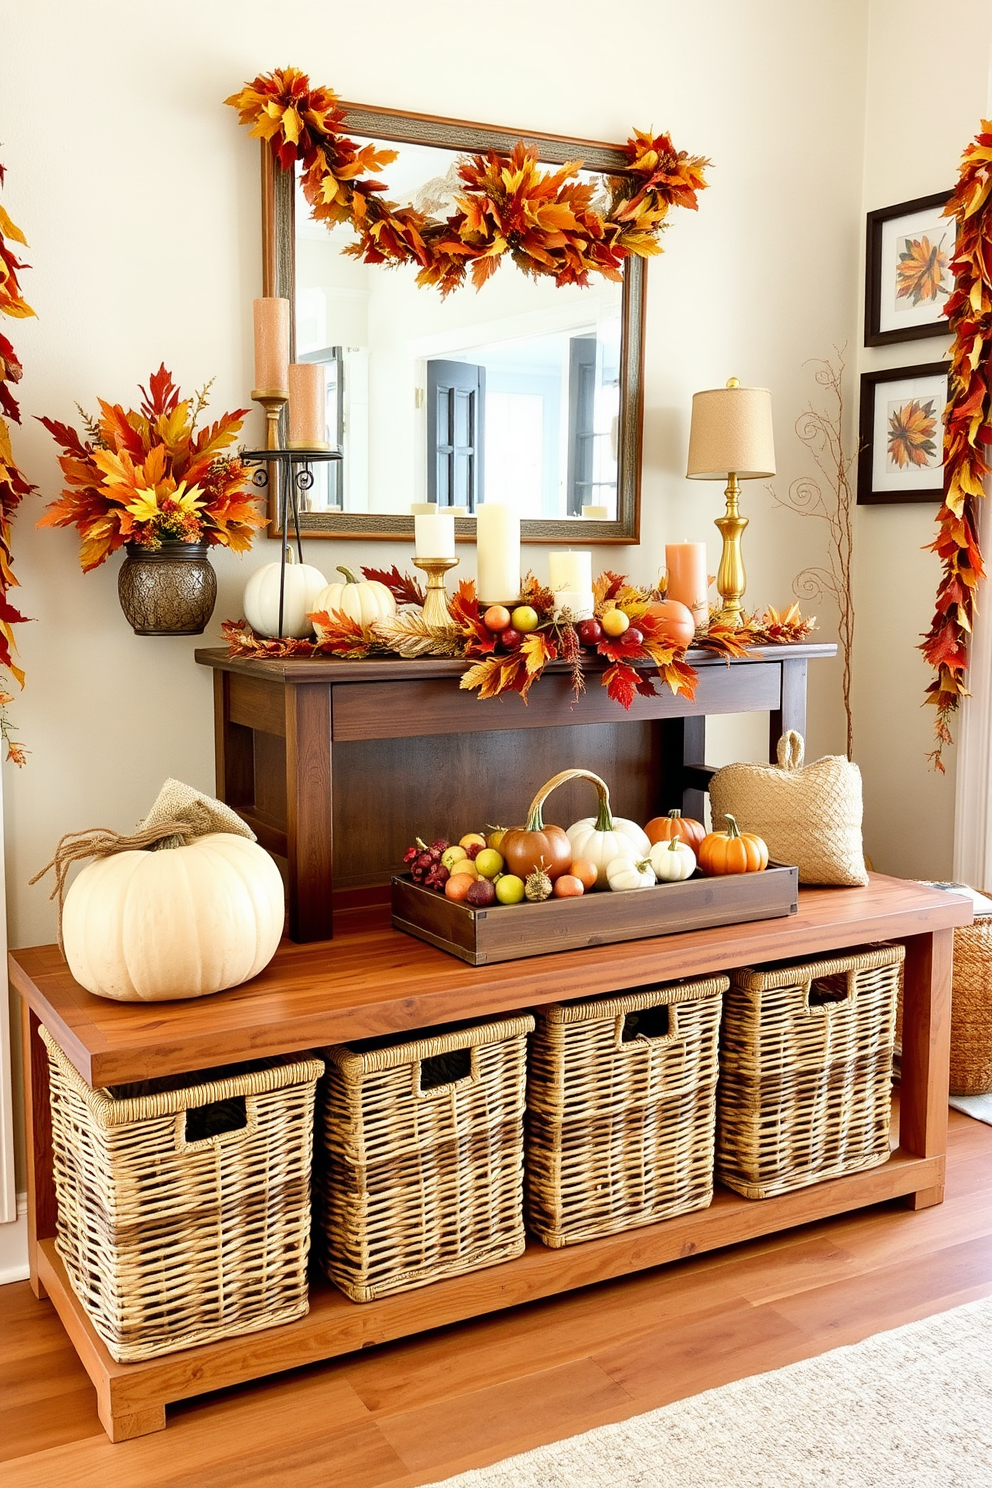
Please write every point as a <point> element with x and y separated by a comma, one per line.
<point>169,590</point>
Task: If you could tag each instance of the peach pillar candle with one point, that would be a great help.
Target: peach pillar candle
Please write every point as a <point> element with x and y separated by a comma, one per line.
<point>497,553</point>
<point>687,580</point>
<point>271,321</point>
<point>307,413</point>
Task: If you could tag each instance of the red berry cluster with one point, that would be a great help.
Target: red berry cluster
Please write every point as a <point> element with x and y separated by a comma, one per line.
<point>425,863</point>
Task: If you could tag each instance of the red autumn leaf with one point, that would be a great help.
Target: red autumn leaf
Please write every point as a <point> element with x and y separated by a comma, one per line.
<point>402,587</point>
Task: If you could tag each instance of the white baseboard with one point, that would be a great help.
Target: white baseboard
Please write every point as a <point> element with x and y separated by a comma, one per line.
<point>14,1245</point>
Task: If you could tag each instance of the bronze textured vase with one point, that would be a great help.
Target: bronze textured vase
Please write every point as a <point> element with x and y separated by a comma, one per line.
<point>169,590</point>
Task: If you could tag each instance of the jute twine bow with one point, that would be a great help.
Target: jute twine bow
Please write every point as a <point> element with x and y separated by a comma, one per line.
<point>102,842</point>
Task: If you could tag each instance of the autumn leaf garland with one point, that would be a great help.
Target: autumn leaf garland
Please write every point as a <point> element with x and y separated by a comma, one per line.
<point>544,221</point>
<point>966,432</point>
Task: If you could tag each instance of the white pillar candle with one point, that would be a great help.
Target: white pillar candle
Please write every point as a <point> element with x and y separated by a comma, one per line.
<point>434,536</point>
<point>497,553</point>
<point>597,513</point>
<point>423,508</point>
<point>578,602</point>
<point>570,571</point>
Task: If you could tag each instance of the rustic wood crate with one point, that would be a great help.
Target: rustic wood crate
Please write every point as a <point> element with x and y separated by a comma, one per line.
<point>621,1107</point>
<point>184,1213</point>
<point>421,1172</point>
<point>806,1070</point>
<point>510,932</point>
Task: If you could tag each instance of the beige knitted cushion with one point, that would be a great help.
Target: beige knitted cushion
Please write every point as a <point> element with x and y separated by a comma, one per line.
<point>808,815</point>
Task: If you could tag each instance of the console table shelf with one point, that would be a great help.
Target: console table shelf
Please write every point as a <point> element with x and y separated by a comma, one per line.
<point>372,979</point>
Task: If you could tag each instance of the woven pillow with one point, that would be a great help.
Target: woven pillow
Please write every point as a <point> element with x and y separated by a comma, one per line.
<point>808,815</point>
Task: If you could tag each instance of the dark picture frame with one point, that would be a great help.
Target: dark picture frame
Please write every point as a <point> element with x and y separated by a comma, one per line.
<point>904,298</point>
<point>897,461</point>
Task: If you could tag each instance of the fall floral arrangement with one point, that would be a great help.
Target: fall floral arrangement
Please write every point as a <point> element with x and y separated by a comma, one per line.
<point>966,431</point>
<point>633,629</point>
<point>13,486</point>
<point>150,476</point>
<point>544,221</point>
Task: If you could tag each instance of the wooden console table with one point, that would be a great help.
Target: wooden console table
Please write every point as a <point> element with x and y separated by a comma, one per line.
<point>338,765</point>
<point>375,980</point>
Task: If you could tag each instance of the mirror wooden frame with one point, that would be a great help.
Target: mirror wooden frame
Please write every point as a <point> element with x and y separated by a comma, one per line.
<point>279,278</point>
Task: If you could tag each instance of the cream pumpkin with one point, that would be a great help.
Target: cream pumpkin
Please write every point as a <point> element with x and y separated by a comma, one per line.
<point>363,600</point>
<point>152,926</point>
<point>303,583</point>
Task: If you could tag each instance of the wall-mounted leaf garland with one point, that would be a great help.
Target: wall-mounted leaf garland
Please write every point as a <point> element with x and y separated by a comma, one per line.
<point>543,220</point>
<point>966,432</point>
<point>13,486</point>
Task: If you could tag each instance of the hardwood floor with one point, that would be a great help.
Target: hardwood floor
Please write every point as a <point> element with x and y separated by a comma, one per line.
<point>415,1412</point>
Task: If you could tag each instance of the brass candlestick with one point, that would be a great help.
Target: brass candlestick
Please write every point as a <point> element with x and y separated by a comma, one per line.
<point>273,403</point>
<point>436,610</point>
<point>731,579</point>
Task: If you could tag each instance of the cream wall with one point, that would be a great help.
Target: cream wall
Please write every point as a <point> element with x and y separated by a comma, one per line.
<point>915,131</point>
<point>139,194</point>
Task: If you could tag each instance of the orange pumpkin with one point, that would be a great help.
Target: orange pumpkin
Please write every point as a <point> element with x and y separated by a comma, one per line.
<point>685,828</point>
<point>676,624</point>
<point>732,851</point>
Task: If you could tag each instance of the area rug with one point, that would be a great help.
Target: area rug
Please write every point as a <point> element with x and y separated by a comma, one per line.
<point>911,1408</point>
<point>979,1107</point>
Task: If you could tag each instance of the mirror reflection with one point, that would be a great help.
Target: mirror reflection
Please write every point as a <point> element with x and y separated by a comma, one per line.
<point>510,394</point>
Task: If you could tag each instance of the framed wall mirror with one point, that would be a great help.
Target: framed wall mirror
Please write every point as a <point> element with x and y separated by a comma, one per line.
<point>521,392</point>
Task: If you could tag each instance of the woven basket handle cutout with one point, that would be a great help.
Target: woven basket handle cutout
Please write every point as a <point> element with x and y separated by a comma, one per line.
<point>222,1123</point>
<point>791,750</point>
<point>440,1072</point>
<point>823,994</point>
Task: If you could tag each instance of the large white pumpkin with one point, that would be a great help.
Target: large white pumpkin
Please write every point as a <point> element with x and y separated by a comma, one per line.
<point>151,926</point>
<point>261,602</point>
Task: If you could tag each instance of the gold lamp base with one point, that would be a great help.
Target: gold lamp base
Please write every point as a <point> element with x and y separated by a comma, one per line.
<point>731,579</point>
<point>436,612</point>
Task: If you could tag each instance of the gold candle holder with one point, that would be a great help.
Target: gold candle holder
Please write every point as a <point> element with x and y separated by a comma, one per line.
<point>731,579</point>
<point>436,610</point>
<point>273,403</point>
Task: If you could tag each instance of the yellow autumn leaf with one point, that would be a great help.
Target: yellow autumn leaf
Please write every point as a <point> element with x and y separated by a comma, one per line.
<point>10,229</point>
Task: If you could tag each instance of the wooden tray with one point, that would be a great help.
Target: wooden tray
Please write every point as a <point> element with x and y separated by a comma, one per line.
<point>508,932</point>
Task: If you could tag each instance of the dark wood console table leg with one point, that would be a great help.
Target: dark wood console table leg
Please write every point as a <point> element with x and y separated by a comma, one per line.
<point>42,1211</point>
<point>309,812</point>
<point>926,1053</point>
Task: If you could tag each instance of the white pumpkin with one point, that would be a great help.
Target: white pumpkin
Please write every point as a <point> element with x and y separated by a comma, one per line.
<point>602,838</point>
<point>364,600</point>
<point>672,861</point>
<point>625,873</point>
<point>151,926</point>
<point>261,603</point>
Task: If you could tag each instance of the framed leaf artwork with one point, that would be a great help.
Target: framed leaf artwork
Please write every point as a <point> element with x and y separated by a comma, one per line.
<point>901,439</point>
<point>908,270</point>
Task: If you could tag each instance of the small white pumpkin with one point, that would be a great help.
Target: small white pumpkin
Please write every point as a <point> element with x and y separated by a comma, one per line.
<point>672,861</point>
<point>603,837</point>
<point>261,603</point>
<point>152,926</point>
<point>363,600</point>
<point>625,873</point>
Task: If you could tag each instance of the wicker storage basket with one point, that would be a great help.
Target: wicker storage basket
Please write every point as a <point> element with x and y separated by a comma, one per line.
<point>421,1167</point>
<point>971,1009</point>
<point>184,1214</point>
<point>621,1105</point>
<point>806,1070</point>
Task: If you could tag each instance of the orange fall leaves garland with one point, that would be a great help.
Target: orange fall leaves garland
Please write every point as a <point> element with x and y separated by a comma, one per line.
<point>966,431</point>
<point>544,221</point>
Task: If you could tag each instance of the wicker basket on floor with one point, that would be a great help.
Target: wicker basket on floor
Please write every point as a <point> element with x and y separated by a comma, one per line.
<point>421,1162</point>
<point>184,1213</point>
<point>971,1009</point>
<point>806,1071</point>
<point>621,1105</point>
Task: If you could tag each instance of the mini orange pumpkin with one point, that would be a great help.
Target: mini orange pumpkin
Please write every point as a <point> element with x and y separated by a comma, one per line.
<point>685,828</point>
<point>732,851</point>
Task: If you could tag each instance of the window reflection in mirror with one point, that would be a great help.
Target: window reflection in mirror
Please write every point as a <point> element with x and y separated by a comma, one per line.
<point>509,394</point>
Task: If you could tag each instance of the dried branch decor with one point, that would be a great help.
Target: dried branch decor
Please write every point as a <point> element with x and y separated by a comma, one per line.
<point>832,500</point>
<point>966,432</point>
<point>544,221</point>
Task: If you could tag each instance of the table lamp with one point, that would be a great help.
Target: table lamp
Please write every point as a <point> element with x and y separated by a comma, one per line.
<point>730,438</point>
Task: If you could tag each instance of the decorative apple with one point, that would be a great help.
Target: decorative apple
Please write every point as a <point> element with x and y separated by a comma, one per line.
<point>590,632</point>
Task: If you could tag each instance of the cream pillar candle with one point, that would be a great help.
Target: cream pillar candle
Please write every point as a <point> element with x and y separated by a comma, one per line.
<point>687,579</point>
<point>497,553</point>
<point>595,513</point>
<point>572,571</point>
<point>307,412</point>
<point>423,508</point>
<point>434,536</point>
<point>271,322</point>
<point>578,602</point>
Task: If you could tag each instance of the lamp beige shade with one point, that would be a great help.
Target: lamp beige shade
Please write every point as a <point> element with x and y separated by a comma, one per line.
<point>731,431</point>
